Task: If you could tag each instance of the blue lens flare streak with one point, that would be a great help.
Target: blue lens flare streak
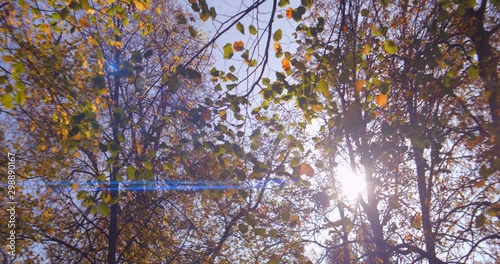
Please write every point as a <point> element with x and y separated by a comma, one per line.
<point>137,186</point>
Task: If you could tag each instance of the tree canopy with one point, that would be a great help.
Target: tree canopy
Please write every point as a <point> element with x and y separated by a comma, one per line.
<point>271,131</point>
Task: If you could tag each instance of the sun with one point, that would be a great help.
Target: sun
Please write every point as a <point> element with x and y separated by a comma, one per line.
<point>351,183</point>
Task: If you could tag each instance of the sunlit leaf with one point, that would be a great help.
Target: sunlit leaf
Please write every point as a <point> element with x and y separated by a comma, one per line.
<point>390,47</point>
<point>277,47</point>
<point>289,12</point>
<point>252,30</point>
<point>323,87</point>
<point>358,85</point>
<point>283,3</point>
<point>228,51</point>
<point>278,35</point>
<point>223,115</point>
<point>240,28</point>
<point>381,99</point>
<point>238,45</point>
<point>285,64</point>
<point>306,169</point>
<point>104,209</point>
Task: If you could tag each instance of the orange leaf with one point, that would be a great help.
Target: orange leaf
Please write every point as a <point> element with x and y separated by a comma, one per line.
<point>285,64</point>
<point>289,12</point>
<point>238,45</point>
<point>277,47</point>
<point>306,169</point>
<point>317,108</point>
<point>381,99</point>
<point>358,85</point>
<point>480,183</point>
<point>74,186</point>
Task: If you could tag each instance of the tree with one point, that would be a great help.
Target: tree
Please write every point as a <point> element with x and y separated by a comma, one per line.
<point>109,95</point>
<point>403,93</point>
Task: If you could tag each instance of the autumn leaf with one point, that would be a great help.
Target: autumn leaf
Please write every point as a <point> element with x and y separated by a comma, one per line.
<point>139,5</point>
<point>74,186</point>
<point>285,64</point>
<point>317,108</point>
<point>223,115</point>
<point>358,85</point>
<point>366,49</point>
<point>390,47</point>
<point>277,47</point>
<point>306,169</point>
<point>238,45</point>
<point>381,99</point>
<point>323,87</point>
<point>289,12</point>
<point>417,221</point>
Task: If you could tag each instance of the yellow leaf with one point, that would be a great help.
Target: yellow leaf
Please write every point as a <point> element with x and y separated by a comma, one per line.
<point>289,12</point>
<point>285,64</point>
<point>308,56</point>
<point>139,5</point>
<point>238,45</point>
<point>107,197</point>
<point>223,115</point>
<point>306,169</point>
<point>74,186</point>
<point>323,87</point>
<point>54,149</point>
<point>92,41</point>
<point>317,108</point>
<point>358,85</point>
<point>381,99</point>
<point>78,136</point>
<point>138,146</point>
<point>366,50</point>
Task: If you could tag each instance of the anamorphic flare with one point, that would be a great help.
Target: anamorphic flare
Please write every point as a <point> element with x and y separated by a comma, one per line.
<point>138,186</point>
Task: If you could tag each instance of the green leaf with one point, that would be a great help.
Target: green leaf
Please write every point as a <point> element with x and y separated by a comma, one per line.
<point>480,220</point>
<point>136,56</point>
<point>193,75</point>
<point>85,4</point>
<point>181,20</point>
<point>99,82</point>
<point>365,12</point>
<point>243,228</point>
<point>20,97</point>
<point>390,47</point>
<point>7,101</point>
<point>173,84</point>
<point>19,67</point>
<point>240,28</point>
<point>283,3</point>
<point>307,3</point>
<point>104,209</point>
<point>228,51</point>
<point>131,172</point>
<point>260,231</point>
<point>252,30</point>
<point>192,32</point>
<point>323,87</point>
<point>473,72</point>
<point>278,35</point>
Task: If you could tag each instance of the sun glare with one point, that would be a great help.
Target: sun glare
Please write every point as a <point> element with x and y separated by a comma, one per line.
<point>351,183</point>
